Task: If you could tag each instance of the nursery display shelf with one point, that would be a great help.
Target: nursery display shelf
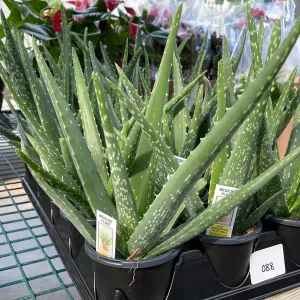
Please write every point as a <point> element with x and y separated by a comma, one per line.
<point>30,267</point>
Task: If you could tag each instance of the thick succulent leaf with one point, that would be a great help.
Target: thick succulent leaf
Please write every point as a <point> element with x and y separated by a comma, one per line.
<point>133,63</point>
<point>91,133</point>
<point>74,216</point>
<point>171,196</point>
<point>77,196</point>
<point>8,134</point>
<point>41,98</point>
<point>165,155</point>
<point>293,194</point>
<point>67,158</point>
<point>125,201</point>
<point>221,160</point>
<point>265,159</point>
<point>228,73</point>
<point>275,40</point>
<point>179,124</point>
<point>182,45</point>
<point>281,104</point>
<point>200,58</point>
<point>236,60</point>
<point>289,112</point>
<point>31,118</point>
<point>155,109</point>
<point>85,166</point>
<point>213,213</point>
<point>294,142</point>
<point>170,105</point>
<point>107,63</point>
<point>258,213</point>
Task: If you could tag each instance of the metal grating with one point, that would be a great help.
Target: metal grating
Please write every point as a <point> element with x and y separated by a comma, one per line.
<point>30,267</point>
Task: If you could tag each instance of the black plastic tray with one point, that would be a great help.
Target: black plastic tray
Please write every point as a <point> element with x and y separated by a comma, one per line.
<point>194,277</point>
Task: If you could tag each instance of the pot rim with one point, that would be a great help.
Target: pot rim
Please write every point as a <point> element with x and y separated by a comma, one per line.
<point>235,240</point>
<point>125,264</point>
<point>282,221</point>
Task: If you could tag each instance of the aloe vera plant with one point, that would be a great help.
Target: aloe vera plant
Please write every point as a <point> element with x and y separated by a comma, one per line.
<point>113,165</point>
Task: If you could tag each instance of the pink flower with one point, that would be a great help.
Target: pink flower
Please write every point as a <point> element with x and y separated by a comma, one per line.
<point>242,22</point>
<point>153,12</point>
<point>112,4</point>
<point>258,12</point>
<point>56,21</point>
<point>133,28</point>
<point>131,11</point>
<point>80,5</point>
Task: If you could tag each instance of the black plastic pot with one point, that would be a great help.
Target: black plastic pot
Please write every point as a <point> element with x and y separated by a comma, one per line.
<point>289,231</point>
<point>55,214</point>
<point>148,279</point>
<point>76,241</point>
<point>230,257</point>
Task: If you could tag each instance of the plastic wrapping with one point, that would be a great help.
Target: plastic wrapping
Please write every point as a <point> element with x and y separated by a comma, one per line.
<point>236,21</point>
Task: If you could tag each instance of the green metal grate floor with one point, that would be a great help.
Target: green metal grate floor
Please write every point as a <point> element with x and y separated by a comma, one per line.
<point>30,267</point>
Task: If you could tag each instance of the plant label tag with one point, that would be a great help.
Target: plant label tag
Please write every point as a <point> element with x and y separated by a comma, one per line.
<point>224,227</point>
<point>266,264</point>
<point>106,232</point>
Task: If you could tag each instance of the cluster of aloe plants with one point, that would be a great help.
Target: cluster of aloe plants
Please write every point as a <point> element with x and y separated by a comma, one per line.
<point>117,155</point>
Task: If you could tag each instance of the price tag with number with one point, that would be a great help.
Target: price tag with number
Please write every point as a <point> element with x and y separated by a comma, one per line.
<point>266,264</point>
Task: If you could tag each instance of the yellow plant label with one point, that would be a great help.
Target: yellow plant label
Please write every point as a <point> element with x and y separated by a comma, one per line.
<point>224,227</point>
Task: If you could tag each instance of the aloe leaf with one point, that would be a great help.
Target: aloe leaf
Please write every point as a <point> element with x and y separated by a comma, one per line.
<point>147,71</point>
<point>171,196</point>
<point>167,131</point>
<point>76,196</point>
<point>27,113</point>
<point>130,89</point>
<point>42,100</point>
<point>85,166</point>
<point>282,101</point>
<point>73,215</point>
<point>258,213</point>
<point>179,125</point>
<point>294,142</point>
<point>275,40</point>
<point>293,193</point>
<point>236,60</point>
<point>91,133</point>
<point>169,106</point>
<point>108,64</point>
<point>155,109</point>
<point>67,58</point>
<point>181,46</point>
<point>221,160</point>
<point>200,58</point>
<point>133,63</point>
<point>125,57</point>
<point>54,68</point>
<point>191,136</point>
<point>265,159</point>
<point>288,113</point>
<point>67,158</point>
<point>228,73</point>
<point>166,157</point>
<point>8,134</point>
<point>213,213</point>
<point>125,201</point>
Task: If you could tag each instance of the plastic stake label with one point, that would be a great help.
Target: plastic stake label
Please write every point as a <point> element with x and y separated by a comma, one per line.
<point>266,264</point>
<point>224,227</point>
<point>106,232</point>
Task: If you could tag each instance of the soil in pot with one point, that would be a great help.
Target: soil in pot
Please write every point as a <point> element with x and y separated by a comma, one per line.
<point>148,279</point>
<point>289,232</point>
<point>230,257</point>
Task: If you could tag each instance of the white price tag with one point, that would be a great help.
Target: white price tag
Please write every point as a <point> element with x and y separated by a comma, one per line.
<point>266,264</point>
<point>106,232</point>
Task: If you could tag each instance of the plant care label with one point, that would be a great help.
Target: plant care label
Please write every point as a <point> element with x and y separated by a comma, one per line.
<point>266,264</point>
<point>106,232</point>
<point>224,227</point>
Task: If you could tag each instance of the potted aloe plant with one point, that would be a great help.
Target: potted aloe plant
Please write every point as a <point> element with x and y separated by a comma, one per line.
<point>75,174</point>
